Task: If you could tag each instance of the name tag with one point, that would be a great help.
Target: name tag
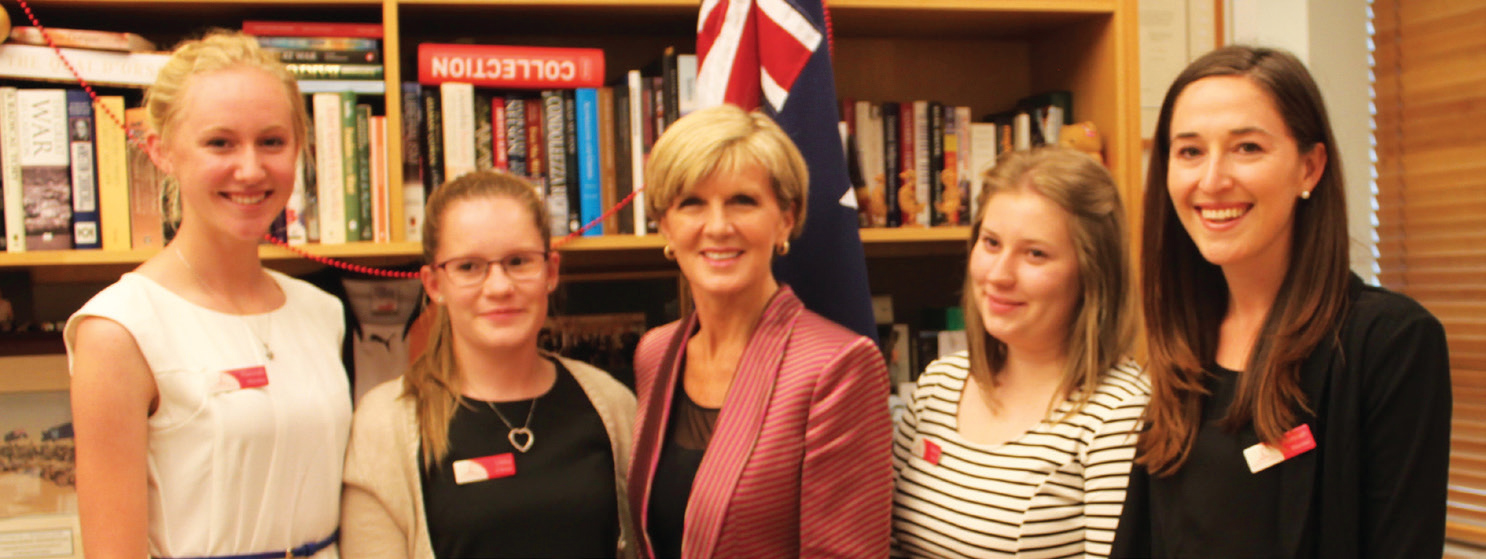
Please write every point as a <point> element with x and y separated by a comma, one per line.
<point>480,469</point>
<point>1295,442</point>
<point>927,450</point>
<point>244,378</point>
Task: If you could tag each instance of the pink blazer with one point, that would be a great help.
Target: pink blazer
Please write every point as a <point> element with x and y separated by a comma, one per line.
<point>800,461</point>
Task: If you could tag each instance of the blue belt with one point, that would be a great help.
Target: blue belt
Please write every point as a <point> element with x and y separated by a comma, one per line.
<point>306,550</point>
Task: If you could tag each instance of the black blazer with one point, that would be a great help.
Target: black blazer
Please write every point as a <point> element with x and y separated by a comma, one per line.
<point>1375,484</point>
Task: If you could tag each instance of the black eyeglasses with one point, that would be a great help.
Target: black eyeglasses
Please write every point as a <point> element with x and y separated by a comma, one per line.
<point>471,271</point>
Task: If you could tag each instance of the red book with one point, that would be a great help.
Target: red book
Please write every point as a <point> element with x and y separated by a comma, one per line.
<point>510,66</point>
<point>312,29</point>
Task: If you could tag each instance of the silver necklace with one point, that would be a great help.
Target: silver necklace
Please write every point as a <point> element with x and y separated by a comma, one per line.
<point>523,430</point>
<point>242,319</point>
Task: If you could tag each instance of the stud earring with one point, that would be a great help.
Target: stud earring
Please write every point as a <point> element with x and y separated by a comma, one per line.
<point>783,248</point>
<point>1305,195</point>
<point>668,252</point>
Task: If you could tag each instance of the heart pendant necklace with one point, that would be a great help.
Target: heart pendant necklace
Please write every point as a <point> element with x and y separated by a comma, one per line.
<point>520,437</point>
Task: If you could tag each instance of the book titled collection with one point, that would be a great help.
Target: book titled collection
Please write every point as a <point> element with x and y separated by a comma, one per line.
<point>510,66</point>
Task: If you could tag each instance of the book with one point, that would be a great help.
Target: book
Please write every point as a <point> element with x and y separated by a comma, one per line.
<point>965,174</point>
<point>37,63</point>
<point>334,71</point>
<point>319,43</point>
<point>484,135</point>
<point>46,172</point>
<point>85,230</point>
<point>515,125</point>
<point>634,83</point>
<point>309,178</point>
<point>365,206</point>
<point>686,83</point>
<point>381,213</point>
<point>457,100</point>
<point>500,151</point>
<point>312,29</point>
<point>82,39</point>
<point>608,169</point>
<point>922,155</point>
<point>870,162</point>
<point>351,164</point>
<point>433,139</point>
<point>413,187</point>
<point>330,176</point>
<point>934,178</point>
<point>536,143</point>
<point>110,148</point>
<point>10,171</point>
<point>359,87</point>
<point>891,173</point>
<point>590,196</point>
<point>296,227</point>
<point>555,137</point>
<point>146,220</point>
<point>624,178</point>
<point>570,151</point>
<point>515,67</point>
<point>311,56</point>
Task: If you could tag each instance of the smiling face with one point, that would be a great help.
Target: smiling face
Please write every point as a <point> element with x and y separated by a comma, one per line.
<point>1024,271</point>
<point>232,150</point>
<point>724,231</point>
<point>498,314</point>
<point>1235,173</point>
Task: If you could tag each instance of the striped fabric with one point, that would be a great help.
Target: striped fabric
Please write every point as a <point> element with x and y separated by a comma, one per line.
<point>799,464</point>
<point>1054,492</point>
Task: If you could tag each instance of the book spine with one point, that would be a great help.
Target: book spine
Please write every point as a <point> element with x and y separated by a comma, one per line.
<point>570,147</point>
<point>515,126</point>
<point>635,83</point>
<point>113,172</point>
<point>319,43</point>
<point>555,136</point>
<point>10,166</point>
<point>500,144</point>
<point>296,231</point>
<point>624,182</point>
<point>608,187</point>
<point>413,189</point>
<point>983,148</point>
<point>318,71</point>
<point>310,56</point>
<point>907,166</point>
<point>433,139</point>
<point>381,215</point>
<point>686,81</point>
<point>458,104</point>
<point>350,165</point>
<point>935,177</point>
<point>147,225</point>
<point>536,142</point>
<point>310,179</point>
<point>670,85</point>
<point>517,67</point>
<point>892,179</point>
<point>920,162</point>
<point>81,38</point>
<point>312,29</point>
<point>37,63</point>
<point>45,169</point>
<point>364,172</point>
<point>330,176</point>
<point>869,160</point>
<point>85,231</point>
<point>483,133</point>
<point>963,171</point>
<point>590,195</point>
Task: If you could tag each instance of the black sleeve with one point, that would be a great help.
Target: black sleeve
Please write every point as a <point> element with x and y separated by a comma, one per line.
<point>1406,432</point>
<point>1133,535</point>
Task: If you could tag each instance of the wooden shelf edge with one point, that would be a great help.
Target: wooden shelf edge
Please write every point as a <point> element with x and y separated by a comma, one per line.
<point>1029,6</point>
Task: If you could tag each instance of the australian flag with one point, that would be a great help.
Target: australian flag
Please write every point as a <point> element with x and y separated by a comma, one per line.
<point>776,54</point>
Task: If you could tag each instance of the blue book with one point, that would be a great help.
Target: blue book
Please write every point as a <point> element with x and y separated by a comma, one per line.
<point>590,197</point>
<point>85,226</point>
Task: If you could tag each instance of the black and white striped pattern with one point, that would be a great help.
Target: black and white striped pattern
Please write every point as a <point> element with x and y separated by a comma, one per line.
<point>1054,492</point>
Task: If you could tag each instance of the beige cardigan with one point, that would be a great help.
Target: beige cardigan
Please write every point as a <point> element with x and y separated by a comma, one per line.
<point>382,500</point>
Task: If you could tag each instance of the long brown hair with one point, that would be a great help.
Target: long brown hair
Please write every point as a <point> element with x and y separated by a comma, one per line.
<point>433,380</point>
<point>1186,297</point>
<point>1103,324</point>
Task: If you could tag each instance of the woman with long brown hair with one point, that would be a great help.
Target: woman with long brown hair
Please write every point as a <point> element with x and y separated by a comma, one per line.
<point>1295,411</point>
<point>489,447</point>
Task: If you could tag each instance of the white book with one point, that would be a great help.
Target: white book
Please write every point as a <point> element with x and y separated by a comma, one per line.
<point>10,166</point>
<point>37,63</point>
<point>962,164</point>
<point>637,148</point>
<point>330,177</point>
<point>982,155</point>
<point>869,159</point>
<point>295,231</point>
<point>46,168</point>
<point>457,102</point>
<point>921,160</point>
<point>686,83</point>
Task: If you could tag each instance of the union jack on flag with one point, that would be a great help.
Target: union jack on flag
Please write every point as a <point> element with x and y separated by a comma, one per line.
<point>775,54</point>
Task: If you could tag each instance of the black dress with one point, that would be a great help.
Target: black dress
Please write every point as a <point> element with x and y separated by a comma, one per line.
<point>561,500</point>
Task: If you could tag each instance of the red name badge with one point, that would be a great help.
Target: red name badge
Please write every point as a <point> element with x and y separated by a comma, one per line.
<point>927,450</point>
<point>246,377</point>
<point>1295,442</point>
<point>480,469</point>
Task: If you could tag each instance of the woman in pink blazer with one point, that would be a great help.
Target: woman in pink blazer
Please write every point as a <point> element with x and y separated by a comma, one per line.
<point>763,428</point>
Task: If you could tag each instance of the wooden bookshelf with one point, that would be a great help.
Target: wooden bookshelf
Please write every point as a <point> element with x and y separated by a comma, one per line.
<point>985,54</point>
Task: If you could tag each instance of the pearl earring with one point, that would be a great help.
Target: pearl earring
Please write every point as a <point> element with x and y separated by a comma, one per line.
<point>1305,195</point>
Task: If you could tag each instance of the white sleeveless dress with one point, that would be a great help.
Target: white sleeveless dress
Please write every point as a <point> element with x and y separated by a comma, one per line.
<point>235,470</point>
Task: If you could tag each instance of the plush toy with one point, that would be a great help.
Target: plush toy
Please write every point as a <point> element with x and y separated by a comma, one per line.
<point>1084,137</point>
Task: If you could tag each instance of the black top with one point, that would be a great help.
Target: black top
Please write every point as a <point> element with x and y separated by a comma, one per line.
<point>1244,523</point>
<point>687,435</point>
<point>561,501</point>
<point>1375,485</point>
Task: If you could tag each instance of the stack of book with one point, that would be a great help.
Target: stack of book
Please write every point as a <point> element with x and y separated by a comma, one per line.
<point>326,56</point>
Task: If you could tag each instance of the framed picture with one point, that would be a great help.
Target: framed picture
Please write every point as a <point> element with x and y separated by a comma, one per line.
<point>38,495</point>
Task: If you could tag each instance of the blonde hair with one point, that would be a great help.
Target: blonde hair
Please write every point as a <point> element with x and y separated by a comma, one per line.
<point>1103,326</point>
<point>433,380</point>
<point>218,50</point>
<point>725,139</point>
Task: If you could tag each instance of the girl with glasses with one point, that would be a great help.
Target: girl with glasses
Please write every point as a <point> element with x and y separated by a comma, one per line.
<point>489,447</point>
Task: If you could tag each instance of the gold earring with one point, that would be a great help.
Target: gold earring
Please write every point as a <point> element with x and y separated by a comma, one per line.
<point>1305,195</point>
<point>783,248</point>
<point>668,252</point>
<point>439,299</point>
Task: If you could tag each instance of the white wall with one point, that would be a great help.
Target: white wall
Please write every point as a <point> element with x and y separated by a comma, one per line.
<point>1330,36</point>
